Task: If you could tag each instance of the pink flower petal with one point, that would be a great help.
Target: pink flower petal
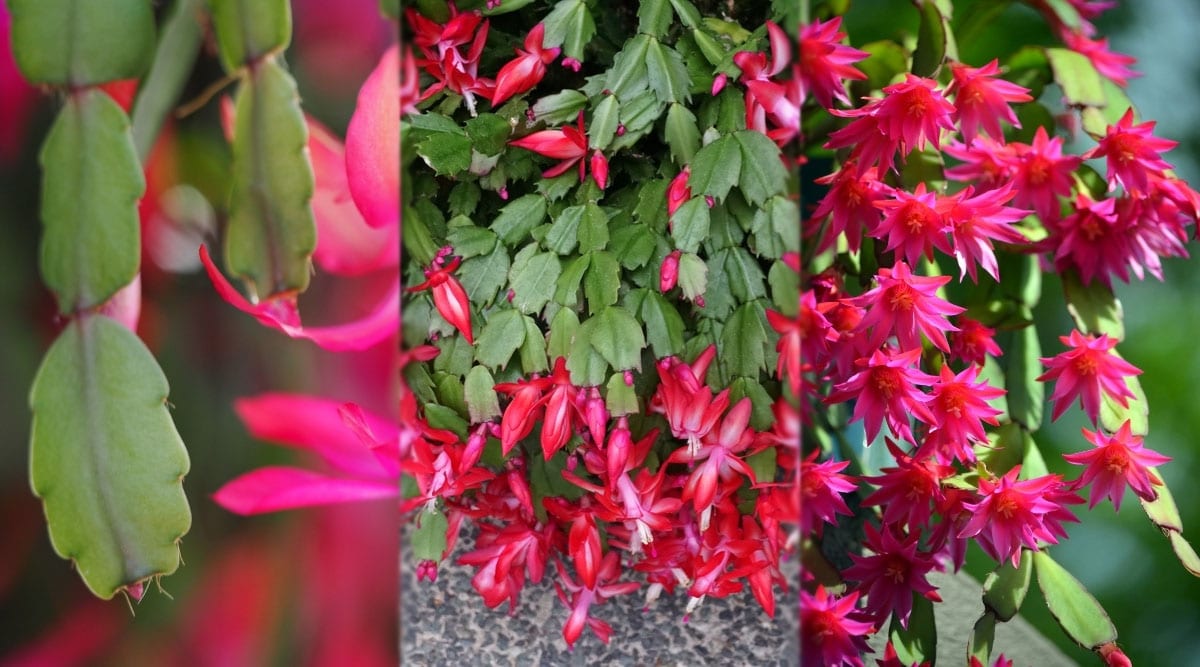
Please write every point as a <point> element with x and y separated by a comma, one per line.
<point>346,244</point>
<point>373,144</point>
<point>316,425</point>
<point>382,321</point>
<point>278,488</point>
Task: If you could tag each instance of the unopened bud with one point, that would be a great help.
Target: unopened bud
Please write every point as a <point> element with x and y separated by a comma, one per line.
<point>510,295</point>
<point>708,199</point>
<point>621,130</point>
<point>427,569</point>
<point>719,83</point>
<point>628,378</point>
<point>571,64</point>
<point>1113,656</point>
<point>699,301</point>
<point>668,274</point>
<point>503,192</point>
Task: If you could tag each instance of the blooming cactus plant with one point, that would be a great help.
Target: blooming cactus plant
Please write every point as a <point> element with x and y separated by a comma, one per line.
<point>943,191</point>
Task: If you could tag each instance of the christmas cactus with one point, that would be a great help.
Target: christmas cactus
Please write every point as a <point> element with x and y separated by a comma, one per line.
<point>951,177</point>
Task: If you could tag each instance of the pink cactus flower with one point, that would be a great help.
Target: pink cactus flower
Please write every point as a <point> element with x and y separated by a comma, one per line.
<point>1118,460</point>
<point>894,571</point>
<point>906,305</point>
<point>981,100</point>
<point>1010,515</point>
<point>1087,369</point>
<point>1132,153</point>
<point>830,633</point>
<point>825,62</point>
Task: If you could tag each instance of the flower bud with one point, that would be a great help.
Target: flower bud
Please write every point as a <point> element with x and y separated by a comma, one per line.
<point>719,83</point>
<point>668,274</point>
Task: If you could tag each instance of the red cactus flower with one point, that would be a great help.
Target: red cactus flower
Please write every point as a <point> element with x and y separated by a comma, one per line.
<point>449,297</point>
<point>527,69</point>
<point>570,145</point>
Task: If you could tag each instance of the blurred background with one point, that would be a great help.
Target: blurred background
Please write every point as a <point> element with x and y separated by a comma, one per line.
<point>299,588</point>
<point>1121,557</point>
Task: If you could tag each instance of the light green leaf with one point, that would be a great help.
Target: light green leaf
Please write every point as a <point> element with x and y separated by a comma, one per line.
<point>762,463</point>
<point>620,398</point>
<point>503,7</point>
<point>1077,76</point>
<point>693,276</point>
<point>501,336</point>
<point>91,185</point>
<point>429,539</point>
<point>471,241</point>
<point>716,168</point>
<point>1095,309</point>
<point>271,233</point>
<point>71,43</point>
<point>586,366</point>
<point>450,393</point>
<point>533,349</point>
<point>105,457</point>
<point>1081,617</point>
<point>617,336</point>
<point>917,643</point>
<point>687,13</point>
<point>603,281</point>
<point>446,154</point>
<point>983,635</point>
<point>480,393</point>
<point>483,276</point>
<point>488,133</point>
<point>434,122</point>
<point>593,229</point>
<point>570,25</point>
<point>562,333</point>
<point>1026,396</point>
<point>667,74</point>
<point>519,217</point>
<point>1005,587</point>
<point>1136,411</point>
<point>682,134</point>
<point>247,30</point>
<point>762,175</point>
<point>690,224</point>
<point>604,122</point>
<point>532,279</point>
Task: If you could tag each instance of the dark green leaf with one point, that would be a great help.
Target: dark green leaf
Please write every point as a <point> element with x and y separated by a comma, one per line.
<point>471,241</point>
<point>886,62</point>
<point>429,539</point>
<point>934,40</point>
<point>501,336</point>
<point>519,217</point>
<point>434,122</point>
<point>483,276</point>
<point>761,415</point>
<point>743,343</point>
<point>587,367</point>
<point>616,335</point>
<point>440,416</point>
<point>634,244</point>
<point>504,7</point>
<point>91,185</point>
<point>567,289</point>
<point>247,30</point>
<point>1081,617</point>
<point>70,43</point>
<point>654,17</point>
<point>604,122</point>
<point>271,233</point>
<point>682,135</point>
<point>480,393</point>
<point>651,208</point>
<point>105,457</point>
<point>1005,587</point>
<point>450,393</point>
<point>687,13</point>
<point>564,232</point>
<point>745,276</point>
<point>627,76</point>
<point>763,465</point>
<point>667,74</point>
<point>488,133</point>
<point>593,229</point>
<point>717,168</point>
<point>690,224</point>
<point>603,281</point>
<point>464,197</point>
<point>664,326</point>
<point>762,175</point>
<point>561,107</point>
<point>532,280</point>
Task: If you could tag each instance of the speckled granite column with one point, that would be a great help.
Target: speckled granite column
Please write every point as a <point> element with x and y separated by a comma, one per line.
<point>445,624</point>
